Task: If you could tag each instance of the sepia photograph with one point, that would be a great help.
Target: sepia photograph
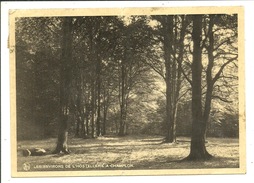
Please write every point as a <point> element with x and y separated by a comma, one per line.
<point>127,91</point>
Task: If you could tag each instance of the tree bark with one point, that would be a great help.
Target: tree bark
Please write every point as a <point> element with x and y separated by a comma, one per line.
<point>78,125</point>
<point>93,101</point>
<point>173,57</point>
<point>198,150</point>
<point>209,79</point>
<point>65,80</point>
<point>98,81</point>
<point>122,120</point>
<point>168,35</point>
<point>105,109</point>
<point>92,55</point>
<point>122,97</point>
<point>104,121</point>
<point>86,133</point>
<point>87,110</point>
<point>62,146</point>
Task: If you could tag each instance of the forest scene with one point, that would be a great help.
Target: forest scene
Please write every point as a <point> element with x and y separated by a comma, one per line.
<point>127,92</point>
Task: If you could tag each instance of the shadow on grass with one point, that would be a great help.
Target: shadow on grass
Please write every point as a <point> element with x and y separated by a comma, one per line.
<point>152,140</point>
<point>213,162</point>
<point>143,152</point>
<point>124,148</point>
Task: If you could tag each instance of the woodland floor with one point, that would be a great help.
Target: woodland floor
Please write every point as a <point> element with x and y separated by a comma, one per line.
<point>128,153</point>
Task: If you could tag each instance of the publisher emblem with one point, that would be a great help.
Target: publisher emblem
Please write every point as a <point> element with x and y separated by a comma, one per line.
<point>26,166</point>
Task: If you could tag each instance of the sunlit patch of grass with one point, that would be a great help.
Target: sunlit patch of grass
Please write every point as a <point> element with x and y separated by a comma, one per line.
<point>142,152</point>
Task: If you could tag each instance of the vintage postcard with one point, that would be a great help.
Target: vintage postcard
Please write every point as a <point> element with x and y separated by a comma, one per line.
<point>127,91</point>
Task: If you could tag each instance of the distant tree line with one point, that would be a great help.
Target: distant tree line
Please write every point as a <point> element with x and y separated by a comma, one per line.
<point>168,75</point>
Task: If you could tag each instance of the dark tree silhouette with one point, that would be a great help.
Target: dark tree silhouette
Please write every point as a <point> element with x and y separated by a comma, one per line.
<point>198,149</point>
<point>65,84</point>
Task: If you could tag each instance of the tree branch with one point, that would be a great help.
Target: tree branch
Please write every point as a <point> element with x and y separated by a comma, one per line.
<point>184,93</point>
<point>225,53</point>
<point>221,99</point>
<point>219,45</point>
<point>185,75</point>
<point>156,70</point>
<point>216,77</point>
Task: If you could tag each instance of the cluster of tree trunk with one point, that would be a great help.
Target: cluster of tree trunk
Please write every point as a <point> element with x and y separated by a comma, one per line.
<point>173,47</point>
<point>105,61</point>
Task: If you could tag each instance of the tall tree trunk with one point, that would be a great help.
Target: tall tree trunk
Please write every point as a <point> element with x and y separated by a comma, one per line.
<point>105,109</point>
<point>104,121</point>
<point>62,136</point>
<point>98,81</point>
<point>87,109</point>
<point>82,104</point>
<point>86,127</point>
<point>122,121</point>
<point>78,125</point>
<point>168,35</point>
<point>92,55</point>
<point>173,57</point>
<point>83,130</point>
<point>93,101</point>
<point>86,133</point>
<point>122,101</point>
<point>178,76</point>
<point>198,150</point>
<point>65,80</point>
<point>209,79</point>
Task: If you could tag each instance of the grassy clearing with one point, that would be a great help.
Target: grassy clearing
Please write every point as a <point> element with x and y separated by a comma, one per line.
<point>130,152</point>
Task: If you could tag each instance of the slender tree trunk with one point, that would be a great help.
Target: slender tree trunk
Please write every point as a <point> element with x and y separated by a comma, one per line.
<point>106,100</point>
<point>82,104</point>
<point>209,79</point>
<point>83,130</point>
<point>78,124</point>
<point>122,101</point>
<point>104,121</point>
<point>198,150</point>
<point>122,121</point>
<point>168,35</point>
<point>87,127</point>
<point>173,56</point>
<point>86,123</point>
<point>65,80</point>
<point>98,81</point>
<point>92,55</point>
<point>169,137</point>
<point>87,109</point>
<point>105,111</point>
<point>174,122</point>
<point>117,128</point>
<point>179,72</point>
<point>93,101</point>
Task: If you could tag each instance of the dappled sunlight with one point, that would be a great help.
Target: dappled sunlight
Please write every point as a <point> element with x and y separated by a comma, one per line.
<point>138,152</point>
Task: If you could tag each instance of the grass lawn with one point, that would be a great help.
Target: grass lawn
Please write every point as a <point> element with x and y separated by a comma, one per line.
<point>128,153</point>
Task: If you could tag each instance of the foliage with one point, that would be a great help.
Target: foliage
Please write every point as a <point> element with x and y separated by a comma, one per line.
<point>118,75</point>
